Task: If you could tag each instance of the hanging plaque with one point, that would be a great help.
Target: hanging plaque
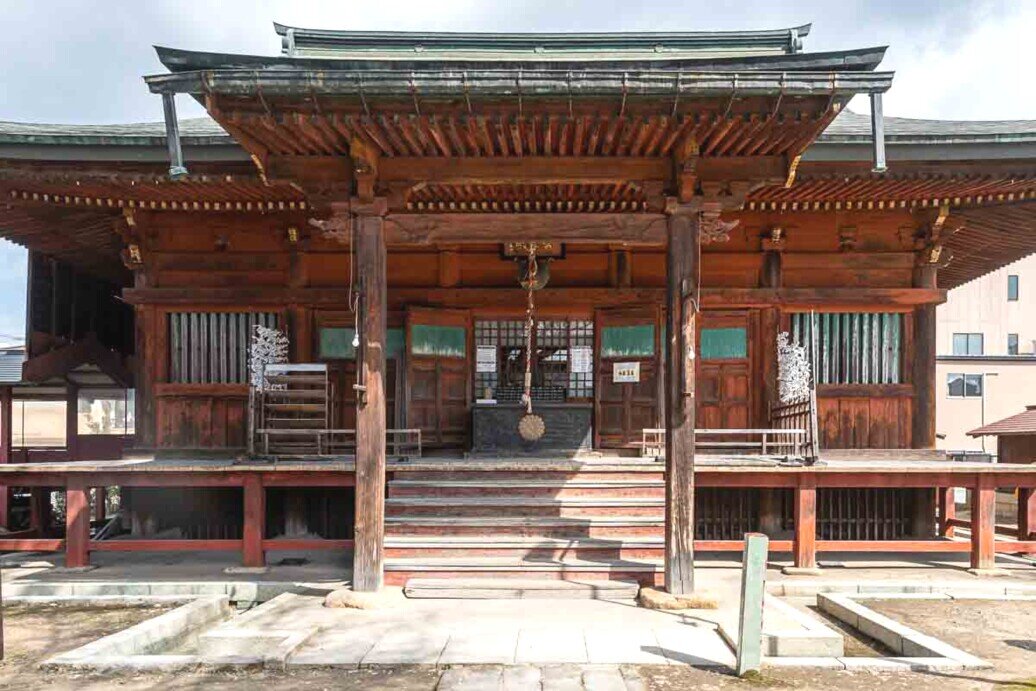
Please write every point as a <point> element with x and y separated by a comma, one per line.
<point>626,372</point>
<point>485,359</point>
<point>582,360</point>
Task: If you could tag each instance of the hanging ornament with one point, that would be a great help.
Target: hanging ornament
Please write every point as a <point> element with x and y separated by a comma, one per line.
<point>531,427</point>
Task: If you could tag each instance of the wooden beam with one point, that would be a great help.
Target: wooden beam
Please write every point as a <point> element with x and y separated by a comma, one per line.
<point>424,229</point>
<point>831,299</point>
<point>806,522</point>
<point>254,522</point>
<point>983,523</point>
<point>923,366</point>
<point>683,272</point>
<point>539,170</point>
<point>368,555</point>
<point>77,524</point>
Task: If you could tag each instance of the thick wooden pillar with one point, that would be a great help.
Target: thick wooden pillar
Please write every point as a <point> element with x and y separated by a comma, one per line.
<point>683,272</point>
<point>806,522</point>
<point>77,523</point>
<point>983,523</point>
<point>39,510</point>
<point>368,553</point>
<point>6,442</point>
<point>252,534</point>
<point>923,365</point>
<point>1026,513</point>
<point>947,510</point>
<point>150,357</point>
<point>100,501</point>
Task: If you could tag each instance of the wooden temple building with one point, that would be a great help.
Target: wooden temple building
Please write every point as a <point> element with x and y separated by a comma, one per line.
<point>610,229</point>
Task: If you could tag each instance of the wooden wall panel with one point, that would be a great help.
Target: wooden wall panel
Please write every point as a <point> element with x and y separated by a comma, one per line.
<point>191,418</point>
<point>838,270</point>
<point>864,421</point>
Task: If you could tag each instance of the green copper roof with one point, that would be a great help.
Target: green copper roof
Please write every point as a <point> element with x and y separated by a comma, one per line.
<point>538,47</point>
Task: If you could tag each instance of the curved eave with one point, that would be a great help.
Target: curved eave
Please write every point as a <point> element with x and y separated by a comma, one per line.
<point>527,83</point>
<point>863,59</point>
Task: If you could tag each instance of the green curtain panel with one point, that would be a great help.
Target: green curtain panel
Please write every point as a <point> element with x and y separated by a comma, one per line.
<point>628,341</point>
<point>438,341</point>
<point>336,343</point>
<point>724,344</point>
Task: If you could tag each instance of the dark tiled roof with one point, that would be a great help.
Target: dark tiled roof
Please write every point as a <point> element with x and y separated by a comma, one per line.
<point>11,361</point>
<point>1022,423</point>
<point>850,126</point>
<point>203,130</point>
<point>847,127</point>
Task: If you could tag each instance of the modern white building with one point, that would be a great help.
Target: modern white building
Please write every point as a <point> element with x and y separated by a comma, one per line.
<point>986,354</point>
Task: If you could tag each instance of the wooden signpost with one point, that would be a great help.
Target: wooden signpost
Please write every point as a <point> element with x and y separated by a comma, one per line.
<point>753,589</point>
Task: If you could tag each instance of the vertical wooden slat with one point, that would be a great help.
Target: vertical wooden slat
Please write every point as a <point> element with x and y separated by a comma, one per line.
<point>254,522</point>
<point>175,345</point>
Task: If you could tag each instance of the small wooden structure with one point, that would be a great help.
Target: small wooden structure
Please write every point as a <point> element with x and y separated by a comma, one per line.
<point>1016,444</point>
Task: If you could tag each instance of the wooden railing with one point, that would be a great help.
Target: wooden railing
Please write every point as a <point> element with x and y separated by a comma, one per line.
<point>335,442</point>
<point>799,415</point>
<point>788,441</point>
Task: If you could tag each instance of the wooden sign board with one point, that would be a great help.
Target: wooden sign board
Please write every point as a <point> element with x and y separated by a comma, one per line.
<point>626,372</point>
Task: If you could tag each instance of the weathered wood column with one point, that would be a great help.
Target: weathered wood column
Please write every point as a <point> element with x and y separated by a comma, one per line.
<point>682,300</point>
<point>368,554</point>
<point>923,365</point>
<point>77,523</point>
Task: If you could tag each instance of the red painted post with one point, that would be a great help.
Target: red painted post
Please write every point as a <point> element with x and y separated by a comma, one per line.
<point>947,510</point>
<point>77,523</point>
<point>806,522</point>
<point>1026,513</point>
<point>254,522</point>
<point>983,523</point>
<point>6,441</point>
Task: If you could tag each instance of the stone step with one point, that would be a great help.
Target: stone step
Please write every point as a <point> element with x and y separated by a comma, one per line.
<point>650,472</point>
<point>524,548</point>
<point>399,571</point>
<point>525,506</point>
<point>520,589</point>
<point>531,526</point>
<point>556,488</point>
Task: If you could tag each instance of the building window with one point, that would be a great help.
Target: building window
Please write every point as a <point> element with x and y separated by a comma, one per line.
<point>212,347</point>
<point>1012,288</point>
<point>39,424</point>
<point>1012,344</point>
<point>967,344</point>
<point>562,360</point>
<point>964,385</point>
<point>852,348</point>
<point>105,411</point>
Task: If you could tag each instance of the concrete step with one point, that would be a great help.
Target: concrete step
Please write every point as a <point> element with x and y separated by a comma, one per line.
<point>399,571</point>
<point>529,526</point>
<point>524,548</point>
<point>554,488</point>
<point>525,506</point>
<point>520,589</point>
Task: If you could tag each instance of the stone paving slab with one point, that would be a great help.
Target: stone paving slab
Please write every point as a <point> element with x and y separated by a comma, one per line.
<point>408,647</point>
<point>551,645</point>
<point>627,646</point>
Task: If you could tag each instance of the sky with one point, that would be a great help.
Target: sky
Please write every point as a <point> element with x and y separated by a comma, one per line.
<point>63,61</point>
